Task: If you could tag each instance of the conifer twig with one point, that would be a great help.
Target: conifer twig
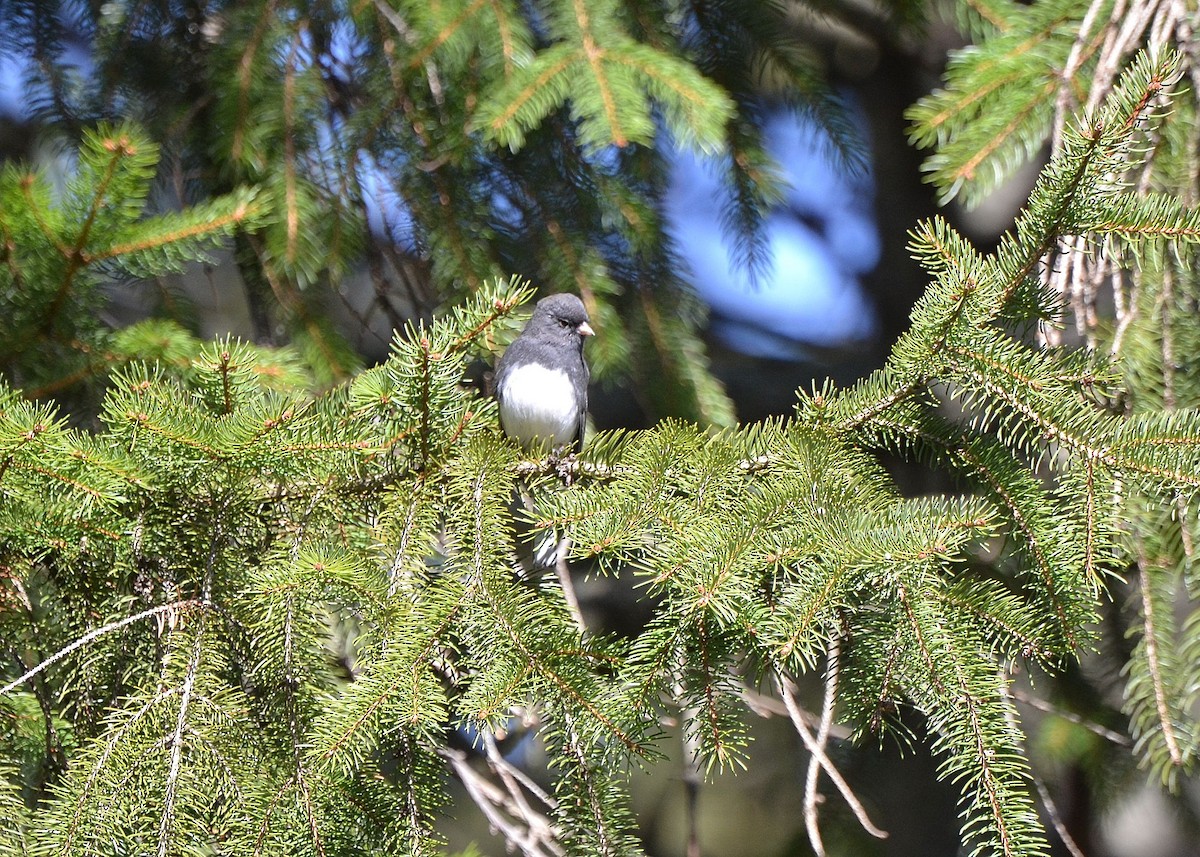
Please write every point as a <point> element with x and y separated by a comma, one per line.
<point>1048,803</point>
<point>98,632</point>
<point>1066,103</point>
<point>175,741</point>
<point>563,570</point>
<point>768,706</point>
<point>1125,309</point>
<point>110,747</point>
<point>1071,717</point>
<point>530,831</point>
<point>497,761</point>
<point>506,772</point>
<point>1153,663</point>
<point>573,746</point>
<point>787,689</point>
<point>170,788</point>
<point>1056,821</point>
<point>812,778</point>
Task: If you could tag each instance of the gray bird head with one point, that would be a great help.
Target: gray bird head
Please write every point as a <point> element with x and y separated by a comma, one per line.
<point>561,311</point>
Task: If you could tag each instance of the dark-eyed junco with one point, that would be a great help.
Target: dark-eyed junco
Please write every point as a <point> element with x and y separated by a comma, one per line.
<point>542,379</point>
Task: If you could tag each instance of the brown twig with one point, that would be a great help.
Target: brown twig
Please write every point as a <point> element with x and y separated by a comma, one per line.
<point>787,690</point>
<point>509,815</point>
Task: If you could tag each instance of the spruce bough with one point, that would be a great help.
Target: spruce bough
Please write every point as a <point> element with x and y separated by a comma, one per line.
<point>244,619</point>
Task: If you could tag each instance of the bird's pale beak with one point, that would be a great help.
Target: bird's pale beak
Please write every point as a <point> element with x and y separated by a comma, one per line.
<point>586,329</point>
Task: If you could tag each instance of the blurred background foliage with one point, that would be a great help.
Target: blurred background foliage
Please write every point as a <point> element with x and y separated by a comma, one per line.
<point>737,233</point>
<point>383,195</point>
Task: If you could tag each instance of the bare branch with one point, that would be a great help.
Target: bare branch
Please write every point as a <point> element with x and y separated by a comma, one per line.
<point>568,587</point>
<point>176,745</point>
<point>1056,818</point>
<point>1153,661</point>
<point>1043,793</point>
<point>1071,717</point>
<point>522,827</point>
<point>100,632</point>
<point>812,779</point>
<point>787,689</point>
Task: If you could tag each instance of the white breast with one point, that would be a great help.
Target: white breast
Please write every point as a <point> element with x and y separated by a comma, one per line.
<point>537,406</point>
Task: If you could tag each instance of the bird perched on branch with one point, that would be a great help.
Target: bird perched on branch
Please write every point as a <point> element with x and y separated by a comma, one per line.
<point>542,378</point>
<point>541,388</point>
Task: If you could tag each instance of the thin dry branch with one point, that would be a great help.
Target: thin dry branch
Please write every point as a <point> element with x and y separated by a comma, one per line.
<point>174,606</point>
<point>1079,274</point>
<point>812,778</point>
<point>521,826</point>
<point>1071,717</point>
<point>1153,662</point>
<point>787,690</point>
<point>1047,800</point>
<point>171,786</point>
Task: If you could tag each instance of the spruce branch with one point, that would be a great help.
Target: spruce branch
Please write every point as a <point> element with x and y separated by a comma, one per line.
<point>174,743</point>
<point>118,147</point>
<point>981,751</point>
<point>1048,804</point>
<point>358,546</point>
<point>175,740</point>
<point>115,738</point>
<point>1152,635</point>
<point>607,76</point>
<point>175,607</point>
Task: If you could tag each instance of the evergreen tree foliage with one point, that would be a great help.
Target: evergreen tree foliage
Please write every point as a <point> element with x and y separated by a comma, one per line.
<point>245,611</point>
<point>1133,247</point>
<point>460,112</point>
<point>60,249</point>
<point>246,618</point>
